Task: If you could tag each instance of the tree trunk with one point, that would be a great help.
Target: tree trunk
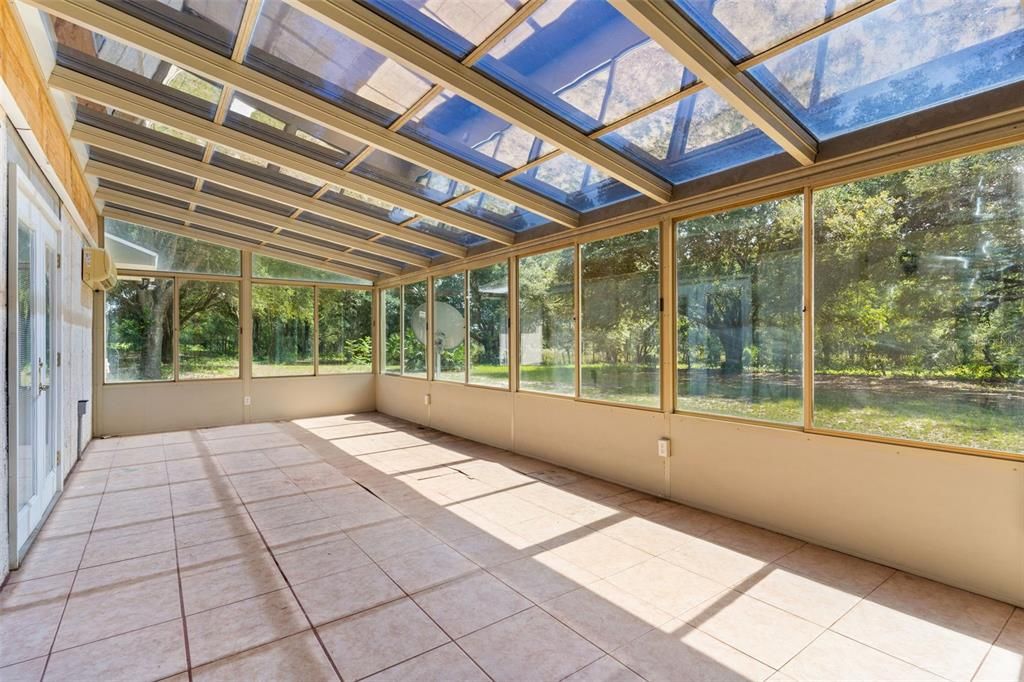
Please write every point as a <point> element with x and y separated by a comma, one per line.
<point>152,353</point>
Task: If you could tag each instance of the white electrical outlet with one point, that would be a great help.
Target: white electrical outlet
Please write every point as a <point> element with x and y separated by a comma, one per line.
<point>426,399</point>
<point>664,448</point>
<point>247,400</point>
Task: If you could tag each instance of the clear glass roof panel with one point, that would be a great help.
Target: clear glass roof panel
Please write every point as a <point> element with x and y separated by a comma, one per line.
<point>458,127</point>
<point>901,58</point>
<point>584,62</point>
<point>456,26</point>
<point>409,177</point>
<point>260,169</point>
<point>744,28</point>
<point>294,47</point>
<point>140,129</point>
<point>358,201</point>
<point>500,212</point>
<point>141,167</point>
<point>408,246</point>
<point>574,183</point>
<point>210,23</point>
<point>699,135</point>
<point>446,232</point>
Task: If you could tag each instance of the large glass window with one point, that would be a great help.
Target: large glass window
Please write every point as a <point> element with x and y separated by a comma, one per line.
<point>136,247</point>
<point>547,354</point>
<point>739,323</point>
<point>344,330</point>
<point>449,331</point>
<point>488,325</point>
<point>414,340</point>
<point>620,331</point>
<point>208,330</point>
<point>265,267</point>
<point>139,344</point>
<point>282,330</point>
<point>919,303</point>
<point>391,330</point>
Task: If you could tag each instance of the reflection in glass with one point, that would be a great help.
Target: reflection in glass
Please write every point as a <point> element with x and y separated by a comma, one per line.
<point>455,27</point>
<point>139,343</point>
<point>414,318</point>
<point>408,177</point>
<point>449,331</point>
<point>547,356</point>
<point>446,232</point>
<point>282,330</point>
<point>391,329</point>
<point>210,23</point>
<point>488,325</point>
<point>919,303</point>
<point>265,267</point>
<point>620,332</point>
<point>136,247</point>
<point>208,330</point>
<point>345,331</point>
<point>739,329</point>
<point>574,183</point>
<point>499,212</point>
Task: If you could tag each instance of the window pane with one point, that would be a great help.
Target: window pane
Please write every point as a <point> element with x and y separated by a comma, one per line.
<point>346,336</point>
<point>391,330</point>
<point>282,330</point>
<point>408,177</point>
<point>488,325</point>
<point>208,324</point>
<point>574,183</point>
<point>500,212</point>
<point>919,303</point>
<point>621,327</point>
<point>210,23</point>
<point>446,232</point>
<point>456,27</point>
<point>415,340</point>
<point>547,356</point>
<point>138,329</point>
<point>265,267</point>
<point>136,247</point>
<point>450,327</point>
<point>738,327</point>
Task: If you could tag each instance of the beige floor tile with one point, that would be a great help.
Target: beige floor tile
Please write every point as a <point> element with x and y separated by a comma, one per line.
<point>645,534</point>
<point>711,560</point>
<point>594,488</point>
<point>834,657</point>
<point>29,614</point>
<point>800,595</point>
<point>842,571</point>
<point>678,653</point>
<point>425,568</point>
<point>543,576</point>
<point>118,544</point>
<point>213,530</point>
<point>26,671</point>
<point>529,645</point>
<point>220,553</point>
<point>192,469</point>
<point>343,594</point>
<point>392,538</point>
<point>1005,661</point>
<point>606,615</point>
<point>667,586</point>
<point>298,658</point>
<point>243,462</point>
<point>601,555</point>
<point>152,653</point>
<point>942,629</point>
<point>695,522</point>
<point>450,526</point>
<point>446,663</point>
<point>324,559</point>
<point>51,556</point>
<point>173,451</point>
<point>137,476</point>
<point>83,483</point>
<point>467,604</point>
<point>605,669</point>
<point>759,630</point>
<point>317,476</point>
<point>291,455</point>
<point>238,431</point>
<point>305,534</point>
<point>243,625</point>
<point>754,542</point>
<point>301,511</point>
<point>487,550</point>
<point>272,439</point>
<point>545,529</point>
<point>116,598</point>
<point>204,588</point>
<point>353,507</point>
<point>377,639</point>
<point>133,457</point>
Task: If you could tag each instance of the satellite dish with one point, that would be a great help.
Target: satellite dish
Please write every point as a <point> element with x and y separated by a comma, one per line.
<point>449,326</point>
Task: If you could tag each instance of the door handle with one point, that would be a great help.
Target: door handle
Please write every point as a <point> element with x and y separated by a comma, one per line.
<point>44,387</point>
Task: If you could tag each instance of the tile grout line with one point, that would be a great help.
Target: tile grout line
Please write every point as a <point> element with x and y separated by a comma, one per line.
<point>992,645</point>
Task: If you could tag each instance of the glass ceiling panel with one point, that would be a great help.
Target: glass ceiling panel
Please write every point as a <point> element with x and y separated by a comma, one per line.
<point>574,183</point>
<point>585,62</point>
<point>455,26</point>
<point>260,169</point>
<point>458,127</point>
<point>699,135</point>
<point>446,232</point>
<point>358,201</point>
<point>210,23</point>
<point>294,47</point>
<point>134,70</point>
<point>500,212</point>
<point>265,267</point>
<point>141,167</point>
<point>408,246</point>
<point>901,58</point>
<point>744,28</point>
<point>409,177</point>
<point>139,129</point>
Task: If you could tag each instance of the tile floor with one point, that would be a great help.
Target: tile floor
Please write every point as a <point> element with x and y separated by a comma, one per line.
<point>361,546</point>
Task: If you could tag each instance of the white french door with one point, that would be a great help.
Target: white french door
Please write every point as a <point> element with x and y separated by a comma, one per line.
<point>33,374</point>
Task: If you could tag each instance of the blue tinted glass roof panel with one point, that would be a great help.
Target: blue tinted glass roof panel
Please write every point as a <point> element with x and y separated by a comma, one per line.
<point>584,62</point>
<point>744,28</point>
<point>210,23</point>
<point>408,177</point>
<point>455,27</point>
<point>456,126</point>
<point>901,58</point>
<point>500,212</point>
<point>297,49</point>
<point>699,135</point>
<point>574,183</point>
<point>446,232</point>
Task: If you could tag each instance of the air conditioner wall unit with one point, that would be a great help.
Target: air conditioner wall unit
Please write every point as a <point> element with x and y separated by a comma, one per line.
<point>98,269</point>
